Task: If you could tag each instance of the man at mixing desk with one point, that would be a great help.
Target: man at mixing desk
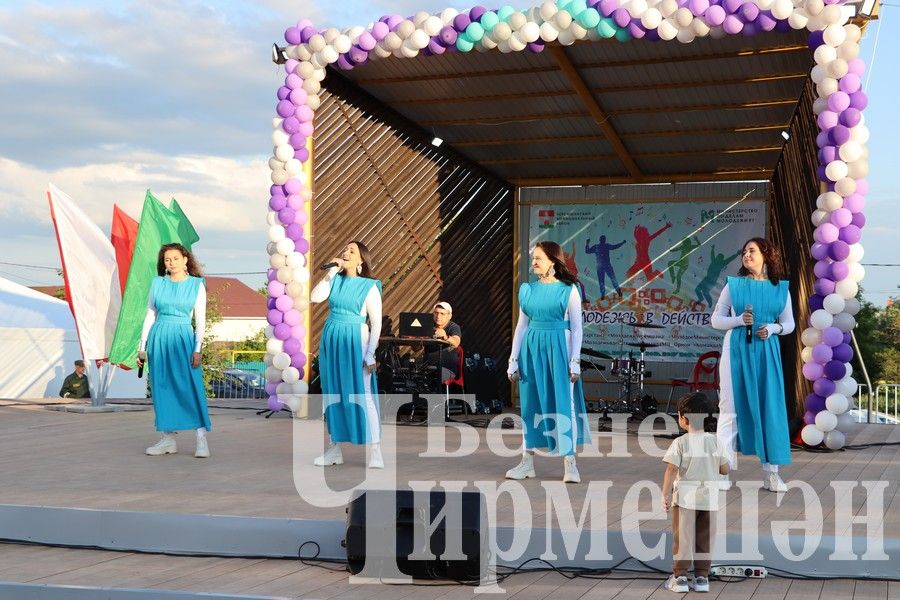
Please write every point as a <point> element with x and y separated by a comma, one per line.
<point>445,329</point>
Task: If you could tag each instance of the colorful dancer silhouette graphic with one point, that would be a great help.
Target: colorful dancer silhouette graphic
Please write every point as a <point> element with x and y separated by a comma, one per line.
<point>717,263</point>
<point>604,264</point>
<point>678,266</point>
<point>569,259</point>
<point>642,262</point>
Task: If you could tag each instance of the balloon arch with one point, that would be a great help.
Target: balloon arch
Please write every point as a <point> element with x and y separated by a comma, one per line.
<point>838,219</point>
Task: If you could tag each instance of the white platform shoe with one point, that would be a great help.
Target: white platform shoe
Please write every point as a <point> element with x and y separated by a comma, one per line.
<point>166,445</point>
<point>332,456</point>
<point>524,469</point>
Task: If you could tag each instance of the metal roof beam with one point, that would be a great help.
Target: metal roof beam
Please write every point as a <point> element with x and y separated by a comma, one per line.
<point>739,175</point>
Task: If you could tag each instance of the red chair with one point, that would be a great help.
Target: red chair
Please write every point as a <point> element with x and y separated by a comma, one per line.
<point>706,368</point>
<point>457,381</point>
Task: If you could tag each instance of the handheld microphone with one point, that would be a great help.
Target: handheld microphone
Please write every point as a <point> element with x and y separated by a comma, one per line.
<point>327,266</point>
<point>749,308</point>
<point>141,371</point>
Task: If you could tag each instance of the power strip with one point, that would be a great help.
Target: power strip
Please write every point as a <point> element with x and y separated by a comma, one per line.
<point>739,571</point>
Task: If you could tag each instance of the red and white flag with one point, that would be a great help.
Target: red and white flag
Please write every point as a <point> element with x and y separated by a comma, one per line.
<point>90,272</point>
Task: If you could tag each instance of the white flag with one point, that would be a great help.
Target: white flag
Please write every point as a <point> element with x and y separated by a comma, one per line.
<point>90,272</point>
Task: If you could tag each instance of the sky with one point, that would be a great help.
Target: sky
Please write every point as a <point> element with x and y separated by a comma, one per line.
<point>108,99</point>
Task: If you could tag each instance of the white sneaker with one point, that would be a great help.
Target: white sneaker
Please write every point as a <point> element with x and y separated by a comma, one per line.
<point>677,584</point>
<point>332,456</point>
<point>701,584</point>
<point>376,461</point>
<point>773,483</point>
<point>202,450</point>
<point>571,475</point>
<point>724,482</point>
<point>524,469</point>
<point>166,445</point>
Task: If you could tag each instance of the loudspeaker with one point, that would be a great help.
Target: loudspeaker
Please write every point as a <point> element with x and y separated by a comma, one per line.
<point>463,526</point>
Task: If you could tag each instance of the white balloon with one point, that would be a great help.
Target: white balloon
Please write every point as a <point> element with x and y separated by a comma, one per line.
<point>295,259</point>
<point>578,32</point>
<point>293,167</point>
<point>782,9</point>
<point>845,322</point>
<point>290,374</point>
<point>837,404</point>
<point>856,252</point>
<point>448,14</point>
<point>848,369</point>
<point>517,19</point>
<point>833,303</point>
<point>549,32</point>
<point>811,436</point>
<point>282,389</point>
<point>667,30</point>
<point>279,177</point>
<point>299,52</point>
<point>517,45</point>
<point>847,288</point>
<point>276,261</point>
<point>826,421</point>
<point>824,55</point>
<point>565,37</point>
<point>273,374</point>
<point>700,28</point>
<point>685,36</point>
<point>317,43</point>
<point>651,18</point>
<point>821,319</point>
<point>827,86</point>
<point>668,8</point>
<point>852,306</point>
<point>847,185</point>
<point>806,355</point>
<point>270,331</point>
<point>271,219</point>
<point>280,136</point>
<point>847,386</point>
<point>817,74</point>
<point>296,289</point>
<point>829,201</point>
<point>312,86</point>
<point>284,152</point>
<point>342,44</point>
<point>284,274</point>
<point>562,19</point>
<point>381,52</point>
<point>819,216</point>
<point>432,25</point>
<point>274,346</point>
<point>854,33</point>
<point>331,34</point>
<point>820,105</point>
<point>835,440</point>
<point>858,169</point>
<point>281,361</point>
<point>276,232</point>
<point>284,246</point>
<point>636,8</point>
<point>683,17</point>
<point>836,169</point>
<point>798,20</point>
<point>811,337</point>
<point>831,15</point>
<point>845,421</point>
<point>857,272</point>
<point>548,9</point>
<point>275,164</point>
<point>530,32</point>
<point>405,28</point>
<point>837,68</point>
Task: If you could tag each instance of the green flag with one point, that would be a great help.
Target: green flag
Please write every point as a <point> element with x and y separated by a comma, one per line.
<point>159,225</point>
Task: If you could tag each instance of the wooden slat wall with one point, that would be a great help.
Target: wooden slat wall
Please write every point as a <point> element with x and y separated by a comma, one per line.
<point>439,227</point>
<point>794,190</point>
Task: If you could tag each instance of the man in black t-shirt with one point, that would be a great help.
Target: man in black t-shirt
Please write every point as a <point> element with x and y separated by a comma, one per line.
<point>445,329</point>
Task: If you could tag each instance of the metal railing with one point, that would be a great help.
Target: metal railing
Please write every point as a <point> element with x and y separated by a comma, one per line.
<point>243,380</point>
<point>880,406</point>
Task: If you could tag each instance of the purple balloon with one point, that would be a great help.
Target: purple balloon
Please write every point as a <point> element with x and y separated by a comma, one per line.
<point>636,30</point>
<point>839,101</point>
<point>732,6</point>
<point>291,124</point>
<point>839,271</point>
<point>270,304</point>
<point>306,33</point>
<point>283,93</point>
<point>282,331</point>
<point>302,246</point>
<point>275,288</point>
<point>850,117</point>
<point>291,346</point>
<point>292,35</point>
<point>814,403</point>
<point>766,21</point>
<point>621,17</point>
<point>859,220</point>
<point>748,12</point>
<point>819,251</point>
<point>783,26</point>
<point>855,202</point>
<point>271,387</point>
<point>842,352</point>
<point>824,286</point>
<point>476,12</point>
<point>301,154</point>
<point>850,83</point>
<point>828,154</point>
<point>862,186</point>
<point>293,81</point>
<point>274,403</point>
<point>698,7</point>
<point>822,268</point>
<point>823,139</point>
<point>344,63</point>
<point>820,173</point>
<point>461,21</point>
<point>851,234</point>
<point>826,233</point>
<point>304,128</point>
<point>298,96</point>
<point>290,65</point>
<point>297,361</point>
<point>276,203</point>
<point>292,186</point>
<point>366,42</point>
<point>607,7</point>
<point>435,46</point>
<point>274,317</point>
<point>816,302</point>
<point>652,35</point>
<point>834,370</point>
<point>823,386</point>
<point>859,100</point>
<point>827,119</point>
<point>298,331</point>
<point>838,250</point>
<point>297,140</point>
<point>294,231</point>
<point>839,134</point>
<point>380,30</point>
<point>821,353</point>
<point>293,317</point>
<point>841,218</point>
<point>448,35</point>
<point>856,66</point>
<point>536,47</point>
<point>284,304</point>
<point>715,15</point>
<point>831,337</point>
<point>286,215</point>
<point>847,337</point>
<point>809,418</point>
<point>285,108</point>
<point>393,21</point>
<point>271,274</point>
<point>812,371</point>
<point>732,25</point>
<point>816,39</point>
<point>750,29</point>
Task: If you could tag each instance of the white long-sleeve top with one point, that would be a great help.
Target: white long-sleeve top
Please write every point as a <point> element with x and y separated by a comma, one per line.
<point>574,335</point>
<point>725,317</point>
<point>199,314</point>
<point>371,308</point>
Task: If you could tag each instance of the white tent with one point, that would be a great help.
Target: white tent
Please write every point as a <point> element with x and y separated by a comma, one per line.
<point>39,344</point>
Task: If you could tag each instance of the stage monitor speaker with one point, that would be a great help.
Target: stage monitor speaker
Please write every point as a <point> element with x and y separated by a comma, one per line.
<point>462,527</point>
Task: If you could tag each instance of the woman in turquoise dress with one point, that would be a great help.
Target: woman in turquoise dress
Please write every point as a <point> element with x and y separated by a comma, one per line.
<point>172,347</point>
<point>545,359</point>
<point>347,355</point>
<point>752,409</point>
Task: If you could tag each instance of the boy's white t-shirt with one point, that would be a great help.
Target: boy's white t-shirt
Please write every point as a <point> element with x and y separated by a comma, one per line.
<point>697,457</point>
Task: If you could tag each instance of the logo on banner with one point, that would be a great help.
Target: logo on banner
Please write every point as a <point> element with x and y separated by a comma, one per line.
<point>546,218</point>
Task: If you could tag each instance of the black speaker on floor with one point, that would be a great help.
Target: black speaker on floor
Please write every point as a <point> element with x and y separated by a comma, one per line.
<point>462,526</point>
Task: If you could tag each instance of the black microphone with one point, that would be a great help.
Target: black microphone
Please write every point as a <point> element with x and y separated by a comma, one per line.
<point>141,371</point>
<point>327,266</point>
<point>749,309</point>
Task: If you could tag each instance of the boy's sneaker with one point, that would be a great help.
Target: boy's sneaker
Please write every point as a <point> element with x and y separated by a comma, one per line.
<point>677,584</point>
<point>701,584</point>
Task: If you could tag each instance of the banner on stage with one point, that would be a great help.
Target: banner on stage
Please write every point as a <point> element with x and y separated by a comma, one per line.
<point>660,264</point>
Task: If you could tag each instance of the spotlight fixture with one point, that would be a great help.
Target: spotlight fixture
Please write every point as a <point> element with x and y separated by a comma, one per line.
<point>278,55</point>
<point>436,142</point>
<point>785,135</point>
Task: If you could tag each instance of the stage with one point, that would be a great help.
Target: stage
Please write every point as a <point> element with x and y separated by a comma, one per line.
<point>76,479</point>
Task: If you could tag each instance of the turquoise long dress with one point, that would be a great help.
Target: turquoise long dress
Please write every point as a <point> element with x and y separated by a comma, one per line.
<point>757,376</point>
<point>179,398</point>
<point>340,361</point>
<point>544,386</point>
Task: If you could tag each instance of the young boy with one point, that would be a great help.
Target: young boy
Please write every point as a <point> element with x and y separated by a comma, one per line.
<point>691,488</point>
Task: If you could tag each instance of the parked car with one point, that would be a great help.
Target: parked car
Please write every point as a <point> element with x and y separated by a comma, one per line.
<point>236,383</point>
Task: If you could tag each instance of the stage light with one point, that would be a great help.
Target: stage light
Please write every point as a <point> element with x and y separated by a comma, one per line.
<point>785,135</point>
<point>278,55</point>
<point>436,142</point>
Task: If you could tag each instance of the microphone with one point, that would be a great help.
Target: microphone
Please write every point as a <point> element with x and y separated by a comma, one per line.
<point>749,308</point>
<point>140,371</point>
<point>327,266</point>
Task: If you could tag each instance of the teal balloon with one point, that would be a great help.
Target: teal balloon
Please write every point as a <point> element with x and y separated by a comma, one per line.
<point>588,18</point>
<point>606,28</point>
<point>622,35</point>
<point>474,32</point>
<point>577,7</point>
<point>564,5</point>
<point>504,12</point>
<point>464,45</point>
<point>489,20</point>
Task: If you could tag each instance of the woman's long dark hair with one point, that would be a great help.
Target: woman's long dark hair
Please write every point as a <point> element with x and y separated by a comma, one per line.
<point>555,254</point>
<point>771,259</point>
<point>192,267</point>
<point>366,256</point>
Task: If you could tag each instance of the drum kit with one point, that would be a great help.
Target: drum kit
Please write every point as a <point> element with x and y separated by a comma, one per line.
<point>629,371</point>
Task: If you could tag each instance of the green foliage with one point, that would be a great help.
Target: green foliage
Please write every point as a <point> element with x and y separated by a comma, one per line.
<point>214,357</point>
<point>878,335</point>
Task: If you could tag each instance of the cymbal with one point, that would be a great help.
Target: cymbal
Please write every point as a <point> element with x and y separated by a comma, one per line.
<point>648,325</point>
<point>642,345</point>
<point>596,353</point>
